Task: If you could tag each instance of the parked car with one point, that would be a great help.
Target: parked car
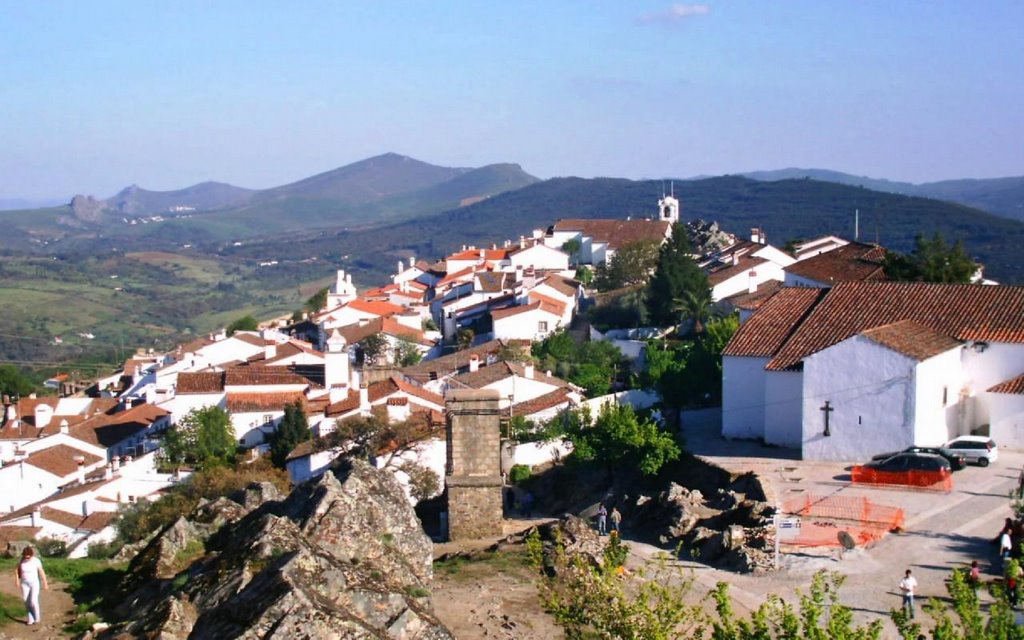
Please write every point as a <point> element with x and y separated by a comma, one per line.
<point>956,461</point>
<point>914,469</point>
<point>980,449</point>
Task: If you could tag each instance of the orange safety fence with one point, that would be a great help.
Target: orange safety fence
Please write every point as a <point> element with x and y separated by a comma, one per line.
<point>941,480</point>
<point>821,518</point>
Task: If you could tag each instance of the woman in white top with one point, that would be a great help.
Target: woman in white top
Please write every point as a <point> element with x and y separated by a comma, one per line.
<point>30,575</point>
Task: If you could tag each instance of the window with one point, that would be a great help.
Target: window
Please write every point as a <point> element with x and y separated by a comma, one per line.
<point>268,418</point>
<point>542,326</point>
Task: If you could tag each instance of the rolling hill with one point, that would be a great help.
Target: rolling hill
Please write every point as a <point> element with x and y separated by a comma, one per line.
<point>1001,196</point>
<point>786,209</point>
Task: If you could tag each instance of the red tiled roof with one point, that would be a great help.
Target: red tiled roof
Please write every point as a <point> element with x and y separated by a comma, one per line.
<point>745,263</point>
<point>747,300</point>
<point>911,339</point>
<point>200,382</point>
<point>460,276</point>
<point>616,233</point>
<point>962,311</point>
<point>474,254</point>
<point>93,522</point>
<point>852,262</point>
<point>109,429</point>
<point>14,533</point>
<point>452,362</point>
<point>565,286</point>
<point>547,303</point>
<point>493,282</point>
<point>358,332</point>
<point>376,307</point>
<point>250,338</point>
<point>262,375</point>
<point>60,460</point>
<point>1013,385</point>
<point>767,330</point>
<point>549,400</point>
<point>247,402</point>
<point>349,403</point>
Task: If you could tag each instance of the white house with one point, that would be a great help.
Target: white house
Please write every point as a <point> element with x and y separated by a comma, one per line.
<point>534,321</point>
<point>882,365</point>
<point>844,263</point>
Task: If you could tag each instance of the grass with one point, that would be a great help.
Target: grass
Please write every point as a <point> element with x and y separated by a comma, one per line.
<point>11,608</point>
<point>88,581</point>
<point>509,561</point>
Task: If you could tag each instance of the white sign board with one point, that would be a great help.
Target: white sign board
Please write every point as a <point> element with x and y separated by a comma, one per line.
<point>787,527</point>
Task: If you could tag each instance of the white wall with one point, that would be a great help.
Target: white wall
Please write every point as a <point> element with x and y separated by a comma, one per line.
<point>740,283</point>
<point>1007,413</point>
<point>185,403</point>
<point>23,484</point>
<point>252,428</point>
<point>783,413</point>
<point>872,389</point>
<point>983,369</point>
<point>526,326</point>
<point>743,396</point>
<point>533,454</point>
<point>936,421</point>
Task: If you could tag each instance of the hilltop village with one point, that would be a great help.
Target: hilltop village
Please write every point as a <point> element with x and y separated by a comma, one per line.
<point>831,359</point>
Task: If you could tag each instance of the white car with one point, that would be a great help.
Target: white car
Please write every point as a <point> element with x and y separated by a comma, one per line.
<point>980,449</point>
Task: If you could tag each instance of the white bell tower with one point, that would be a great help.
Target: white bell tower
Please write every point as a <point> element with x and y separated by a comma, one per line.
<point>336,366</point>
<point>668,209</point>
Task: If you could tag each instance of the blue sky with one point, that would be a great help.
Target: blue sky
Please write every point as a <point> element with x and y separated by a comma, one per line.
<point>97,95</point>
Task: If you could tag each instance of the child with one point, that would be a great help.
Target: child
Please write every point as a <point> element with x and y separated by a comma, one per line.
<point>29,576</point>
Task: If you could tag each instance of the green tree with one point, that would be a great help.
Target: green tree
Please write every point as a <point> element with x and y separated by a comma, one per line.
<point>931,260</point>
<point>464,338</point>
<point>13,382</point>
<point>631,264</point>
<point>591,365</point>
<point>619,436</point>
<point>572,247</point>
<point>406,353</point>
<point>203,437</point>
<point>293,430</point>
<point>585,275</point>
<point>675,275</point>
<point>376,437</point>
<point>374,349</point>
<point>688,373</point>
<point>245,323</point>
<point>318,300</point>
<point>695,306</point>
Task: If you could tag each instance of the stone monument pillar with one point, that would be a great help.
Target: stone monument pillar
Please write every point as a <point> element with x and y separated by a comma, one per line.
<point>473,474</point>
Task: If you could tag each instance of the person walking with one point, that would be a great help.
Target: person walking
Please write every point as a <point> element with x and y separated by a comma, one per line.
<point>1005,547</point>
<point>616,519</point>
<point>29,575</point>
<point>907,587</point>
<point>602,520</point>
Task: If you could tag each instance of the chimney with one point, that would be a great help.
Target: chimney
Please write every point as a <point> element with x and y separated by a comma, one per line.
<point>43,413</point>
<point>463,247</point>
<point>338,393</point>
<point>508,243</point>
<point>474,363</point>
<point>81,469</point>
<point>64,427</point>
<point>401,268</point>
<point>86,509</point>
<point>538,234</point>
<point>751,281</point>
<point>270,351</point>
<point>412,261</point>
<point>108,472</point>
<point>755,235</point>
<point>528,371</point>
<point>522,242</point>
<point>735,259</point>
<point>36,517</point>
<point>482,253</point>
<point>12,413</point>
<point>364,397</point>
<point>116,463</point>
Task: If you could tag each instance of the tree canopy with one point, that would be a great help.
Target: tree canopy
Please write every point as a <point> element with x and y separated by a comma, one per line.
<point>318,300</point>
<point>293,430</point>
<point>203,437</point>
<point>245,323</point>
<point>13,382</point>
<point>592,365</point>
<point>630,264</point>
<point>932,260</point>
<point>620,436</point>
<point>675,275</point>
<point>688,373</point>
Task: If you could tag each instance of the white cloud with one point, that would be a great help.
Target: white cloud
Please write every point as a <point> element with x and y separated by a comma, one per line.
<point>676,12</point>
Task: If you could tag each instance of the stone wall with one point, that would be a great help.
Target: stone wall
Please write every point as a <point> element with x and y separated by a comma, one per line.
<point>473,477</point>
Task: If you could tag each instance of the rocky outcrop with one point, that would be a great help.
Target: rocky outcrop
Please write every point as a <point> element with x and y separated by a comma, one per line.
<point>342,556</point>
<point>707,237</point>
<point>88,208</point>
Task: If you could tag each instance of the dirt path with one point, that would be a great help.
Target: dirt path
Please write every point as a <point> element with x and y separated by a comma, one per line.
<point>56,605</point>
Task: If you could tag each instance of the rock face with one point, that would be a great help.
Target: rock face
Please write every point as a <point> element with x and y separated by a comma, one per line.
<point>87,208</point>
<point>342,556</point>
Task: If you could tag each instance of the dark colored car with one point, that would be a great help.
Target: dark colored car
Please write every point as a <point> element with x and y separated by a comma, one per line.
<point>956,460</point>
<point>914,469</point>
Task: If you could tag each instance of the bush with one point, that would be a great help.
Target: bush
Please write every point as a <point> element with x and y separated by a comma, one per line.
<point>103,550</point>
<point>51,547</point>
<point>519,473</point>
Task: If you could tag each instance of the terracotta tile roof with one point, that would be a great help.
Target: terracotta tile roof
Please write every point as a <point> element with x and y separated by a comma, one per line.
<point>60,460</point>
<point>492,373</point>
<point>93,522</point>
<point>767,330</point>
<point>547,303</point>
<point>462,275</point>
<point>446,365</point>
<point>722,272</point>
<point>195,345</point>
<point>376,307</point>
<point>1013,385</point>
<point>262,375</point>
<point>248,402</point>
<point>349,403</point>
<point>565,286</point>
<point>475,254</point>
<point>67,491</point>
<point>911,339</point>
<point>250,338</point>
<point>301,450</point>
<point>751,301</point>
<point>491,282</point>
<point>358,332</point>
<point>289,349</point>
<point>555,398</point>
<point>15,533</point>
<point>507,312</point>
<point>398,402</point>
<point>418,392</point>
<point>852,262</point>
<point>616,233</point>
<point>200,382</point>
<point>962,311</point>
<point>109,429</point>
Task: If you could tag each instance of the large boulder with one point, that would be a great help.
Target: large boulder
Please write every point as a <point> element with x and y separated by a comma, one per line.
<point>342,556</point>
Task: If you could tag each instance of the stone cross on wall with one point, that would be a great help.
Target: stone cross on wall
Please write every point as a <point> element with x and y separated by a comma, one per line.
<point>473,471</point>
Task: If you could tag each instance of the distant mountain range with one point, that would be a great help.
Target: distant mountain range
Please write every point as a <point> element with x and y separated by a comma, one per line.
<point>1001,196</point>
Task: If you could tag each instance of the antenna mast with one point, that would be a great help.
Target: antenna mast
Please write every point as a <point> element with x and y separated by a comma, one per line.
<point>856,224</point>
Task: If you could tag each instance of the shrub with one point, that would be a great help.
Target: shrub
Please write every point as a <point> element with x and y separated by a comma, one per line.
<point>51,547</point>
<point>519,473</point>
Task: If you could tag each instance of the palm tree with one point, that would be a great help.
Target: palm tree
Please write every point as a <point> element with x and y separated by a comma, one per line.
<point>696,306</point>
